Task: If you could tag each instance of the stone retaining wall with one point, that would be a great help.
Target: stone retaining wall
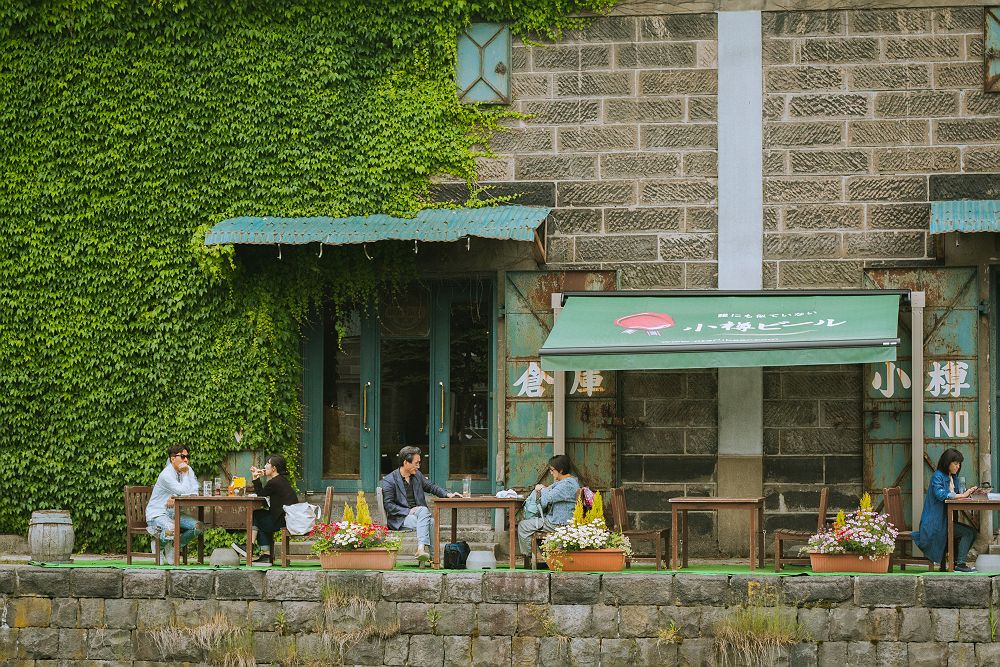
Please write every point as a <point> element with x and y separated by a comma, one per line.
<point>111,616</point>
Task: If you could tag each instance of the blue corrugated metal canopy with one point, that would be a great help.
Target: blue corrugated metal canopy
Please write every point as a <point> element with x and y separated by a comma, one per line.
<point>965,215</point>
<point>518,223</point>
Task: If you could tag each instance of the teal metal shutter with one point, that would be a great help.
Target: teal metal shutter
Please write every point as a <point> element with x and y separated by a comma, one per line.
<point>483,64</point>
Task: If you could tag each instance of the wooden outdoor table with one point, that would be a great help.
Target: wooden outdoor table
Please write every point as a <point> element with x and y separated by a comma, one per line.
<point>248,503</point>
<point>682,505</point>
<point>478,502</point>
<point>955,505</point>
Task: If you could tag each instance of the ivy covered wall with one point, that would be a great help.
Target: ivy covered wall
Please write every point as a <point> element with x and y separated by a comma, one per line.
<point>128,128</point>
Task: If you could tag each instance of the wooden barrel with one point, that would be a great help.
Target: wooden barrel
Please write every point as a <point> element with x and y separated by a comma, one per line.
<point>50,536</point>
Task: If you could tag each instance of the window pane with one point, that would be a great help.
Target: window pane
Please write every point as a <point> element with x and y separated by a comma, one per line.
<point>405,407</point>
<point>341,400</point>
<point>470,376</point>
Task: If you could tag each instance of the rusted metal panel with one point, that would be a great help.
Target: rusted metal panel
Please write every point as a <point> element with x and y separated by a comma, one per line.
<point>949,379</point>
<point>591,402</point>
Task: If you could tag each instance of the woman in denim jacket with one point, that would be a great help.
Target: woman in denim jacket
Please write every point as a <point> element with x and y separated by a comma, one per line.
<point>556,502</point>
<point>932,538</point>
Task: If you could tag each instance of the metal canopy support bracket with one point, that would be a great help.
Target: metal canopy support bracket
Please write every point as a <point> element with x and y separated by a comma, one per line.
<point>917,301</point>
<point>558,392</point>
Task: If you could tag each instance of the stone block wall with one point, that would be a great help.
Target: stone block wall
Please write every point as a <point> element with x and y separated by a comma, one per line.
<point>868,115</point>
<point>95,617</point>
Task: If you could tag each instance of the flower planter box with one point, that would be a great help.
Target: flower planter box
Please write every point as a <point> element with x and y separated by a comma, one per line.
<point>848,563</point>
<point>593,560</point>
<point>359,559</point>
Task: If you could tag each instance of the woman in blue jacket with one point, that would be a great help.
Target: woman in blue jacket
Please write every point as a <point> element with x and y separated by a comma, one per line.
<point>932,538</point>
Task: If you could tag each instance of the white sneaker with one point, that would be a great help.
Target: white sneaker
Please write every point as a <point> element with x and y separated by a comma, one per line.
<point>167,553</point>
<point>240,550</point>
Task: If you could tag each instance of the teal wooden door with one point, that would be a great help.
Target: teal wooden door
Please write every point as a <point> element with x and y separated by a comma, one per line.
<point>414,371</point>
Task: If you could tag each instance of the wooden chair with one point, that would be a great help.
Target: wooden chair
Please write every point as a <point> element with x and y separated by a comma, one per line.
<point>903,553</point>
<point>324,517</point>
<point>619,512</point>
<point>782,534</point>
<point>531,560</point>
<point>136,499</point>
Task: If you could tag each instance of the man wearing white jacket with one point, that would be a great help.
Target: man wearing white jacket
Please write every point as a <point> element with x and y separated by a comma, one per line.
<point>176,479</point>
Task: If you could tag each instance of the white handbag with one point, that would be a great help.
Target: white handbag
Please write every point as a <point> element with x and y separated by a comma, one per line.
<point>300,518</point>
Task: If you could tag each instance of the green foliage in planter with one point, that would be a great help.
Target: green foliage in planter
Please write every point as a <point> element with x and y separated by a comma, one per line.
<point>129,128</point>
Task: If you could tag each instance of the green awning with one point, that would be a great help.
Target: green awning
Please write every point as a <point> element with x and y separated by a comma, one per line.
<point>518,223</point>
<point>966,215</point>
<point>638,331</point>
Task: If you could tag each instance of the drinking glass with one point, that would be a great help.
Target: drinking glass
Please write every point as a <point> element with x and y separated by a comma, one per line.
<point>467,486</point>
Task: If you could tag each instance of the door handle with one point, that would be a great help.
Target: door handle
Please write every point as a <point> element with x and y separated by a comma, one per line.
<point>364,409</point>
<point>441,422</point>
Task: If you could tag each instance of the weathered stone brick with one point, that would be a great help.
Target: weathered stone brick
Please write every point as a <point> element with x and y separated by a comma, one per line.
<point>829,162</point>
<point>599,193</point>
<point>523,140</point>
<point>426,651</point>
<point>849,50</point>
<point>678,82</point>
<point>848,624</point>
<point>833,654</point>
<point>65,613</point>
<point>926,654</point>
<point>890,77</point>
<point>524,651</point>
<point>958,19</point>
<point>802,134</point>
<point>576,589</point>
<point>962,654</point>
<point>979,103</point>
<point>916,105</point>
<point>678,190</point>
<point>987,654</point>
<point>144,583</point>
<point>574,221</point>
<point>519,58</point>
<point>891,654</point>
<point>974,625</point>
<point>886,244</point>
<point>39,643</point>
<point>191,583</point>
<point>664,54</point>
<point>679,136</point>
<point>801,246</point>
<point>411,587</point>
<point>794,24</point>
<point>824,217</point>
<point>707,54</point>
<point>31,612</point>
<point>40,581</point>
<point>239,585</point>
<point>639,165</point>
<point>887,188</point>
<point>923,48</point>
<point>957,592</point>
<point>573,620</point>
<point>590,84</point>
<point>971,131</point>
<point>96,583</point>
<point>291,585</point>
<point>958,75</point>
<point>701,275</point>
<point>595,57</point>
<point>497,619</point>
<point>903,216</point>
<point>794,470</point>
<point>649,589</point>
<point>555,57</point>
<point>915,624</point>
<point>701,219</point>
<point>701,589</point>
<point>774,107</point>
<point>796,79</point>
<point>598,138</point>
<point>904,160</point>
<point>701,163</point>
<point>945,625</point>
<point>883,625</point>
<point>607,29</point>
<point>802,106</point>
<point>557,167</point>
<point>494,169</point>
<point>981,159</point>
<point>561,249</point>
<point>817,589</point>
<point>774,163</point>
<point>777,51</point>
<point>643,219</point>
<point>813,274</point>
<point>104,644</point>
<point>515,587</point>
<point>619,652</point>
<point>415,617</point>
<point>603,248</point>
<point>659,275</point>
<point>556,112</point>
<point>121,613</point>
<point>974,46</point>
<point>648,110</point>
<point>801,190</point>
<point>889,21</point>
<point>524,85</point>
<point>678,26</point>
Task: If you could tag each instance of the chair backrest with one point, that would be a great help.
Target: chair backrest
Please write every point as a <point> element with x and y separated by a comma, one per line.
<point>894,507</point>
<point>824,501</point>
<point>136,499</point>
<point>327,505</point>
<point>619,513</point>
<point>380,507</point>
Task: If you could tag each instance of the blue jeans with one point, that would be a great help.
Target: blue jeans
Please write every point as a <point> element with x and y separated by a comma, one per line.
<point>190,528</point>
<point>965,536</point>
<point>422,522</point>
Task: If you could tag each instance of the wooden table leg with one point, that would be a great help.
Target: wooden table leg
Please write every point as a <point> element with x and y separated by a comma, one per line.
<point>454,525</point>
<point>511,529</point>
<point>177,533</point>
<point>762,549</point>
<point>951,537</point>
<point>753,538</point>
<point>201,537</point>
<point>249,516</point>
<point>437,537</point>
<point>673,537</point>
<point>684,537</point>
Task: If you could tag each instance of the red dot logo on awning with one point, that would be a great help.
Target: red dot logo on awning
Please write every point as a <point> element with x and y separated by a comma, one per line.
<point>651,323</point>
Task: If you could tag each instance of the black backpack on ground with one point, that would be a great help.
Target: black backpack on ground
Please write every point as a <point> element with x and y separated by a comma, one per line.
<point>455,555</point>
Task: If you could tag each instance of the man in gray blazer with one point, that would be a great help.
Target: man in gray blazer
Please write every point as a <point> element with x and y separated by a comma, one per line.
<point>405,503</point>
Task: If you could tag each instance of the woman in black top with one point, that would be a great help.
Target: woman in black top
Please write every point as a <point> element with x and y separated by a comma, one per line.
<point>279,493</point>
